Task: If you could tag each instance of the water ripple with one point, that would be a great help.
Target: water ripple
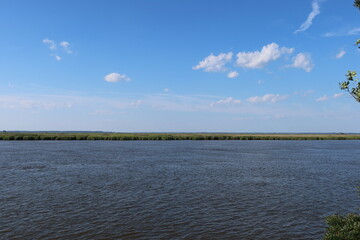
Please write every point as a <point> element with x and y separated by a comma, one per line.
<point>175,189</point>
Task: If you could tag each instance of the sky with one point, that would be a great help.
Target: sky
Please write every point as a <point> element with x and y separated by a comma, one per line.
<point>178,66</point>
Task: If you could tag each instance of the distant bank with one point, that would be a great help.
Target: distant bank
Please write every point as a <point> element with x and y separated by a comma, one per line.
<point>27,136</point>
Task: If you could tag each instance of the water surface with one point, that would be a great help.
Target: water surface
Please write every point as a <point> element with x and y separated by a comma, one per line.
<point>175,189</point>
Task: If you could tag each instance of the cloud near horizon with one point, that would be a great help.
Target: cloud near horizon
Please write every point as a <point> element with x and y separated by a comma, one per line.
<point>272,98</point>
<point>322,99</point>
<point>228,100</point>
<point>337,95</point>
<point>22,102</point>
<point>325,97</point>
<point>308,22</point>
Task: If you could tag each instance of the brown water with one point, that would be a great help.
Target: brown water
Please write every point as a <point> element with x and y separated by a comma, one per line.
<point>175,189</point>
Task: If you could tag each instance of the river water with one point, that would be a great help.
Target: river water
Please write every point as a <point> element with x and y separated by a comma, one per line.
<point>175,189</point>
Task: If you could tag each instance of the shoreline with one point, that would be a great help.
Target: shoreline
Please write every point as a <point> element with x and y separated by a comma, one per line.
<point>73,136</point>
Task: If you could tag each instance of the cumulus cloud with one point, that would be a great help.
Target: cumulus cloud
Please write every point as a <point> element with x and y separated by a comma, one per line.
<point>259,59</point>
<point>54,47</point>
<point>66,46</point>
<point>304,61</point>
<point>166,90</point>
<point>116,77</point>
<point>51,44</point>
<point>340,54</point>
<point>314,12</point>
<point>213,63</point>
<point>233,74</point>
<point>228,100</point>
<point>272,98</point>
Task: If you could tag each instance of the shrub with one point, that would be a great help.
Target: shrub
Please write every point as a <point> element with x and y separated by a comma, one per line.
<point>343,227</point>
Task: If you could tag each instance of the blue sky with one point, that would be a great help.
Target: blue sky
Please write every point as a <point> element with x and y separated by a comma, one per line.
<point>178,66</point>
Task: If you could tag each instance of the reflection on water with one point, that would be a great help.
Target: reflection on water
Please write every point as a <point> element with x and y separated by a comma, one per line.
<point>175,189</point>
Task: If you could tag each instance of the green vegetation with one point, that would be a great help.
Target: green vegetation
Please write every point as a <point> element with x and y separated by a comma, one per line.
<point>343,227</point>
<point>346,227</point>
<point>352,84</point>
<point>357,3</point>
<point>169,136</point>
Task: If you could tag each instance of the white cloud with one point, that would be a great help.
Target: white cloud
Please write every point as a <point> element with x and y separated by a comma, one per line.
<point>304,61</point>
<point>337,95</point>
<point>116,77</point>
<point>64,44</point>
<point>228,100</point>
<point>354,31</point>
<point>330,34</point>
<point>17,102</point>
<point>37,104</point>
<point>233,74</point>
<point>340,54</point>
<point>343,32</point>
<point>326,98</point>
<point>322,99</point>
<point>304,93</point>
<point>308,22</point>
<point>57,57</point>
<point>66,47</point>
<point>214,63</point>
<point>50,43</point>
<point>103,112</point>
<point>137,103</point>
<point>166,90</point>
<point>259,59</point>
<point>273,98</point>
<point>54,48</point>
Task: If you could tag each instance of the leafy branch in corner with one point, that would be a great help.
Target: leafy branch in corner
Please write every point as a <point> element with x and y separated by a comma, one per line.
<point>357,3</point>
<point>351,85</point>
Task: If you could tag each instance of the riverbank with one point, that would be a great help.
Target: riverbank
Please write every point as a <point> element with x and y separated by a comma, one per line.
<point>27,136</point>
